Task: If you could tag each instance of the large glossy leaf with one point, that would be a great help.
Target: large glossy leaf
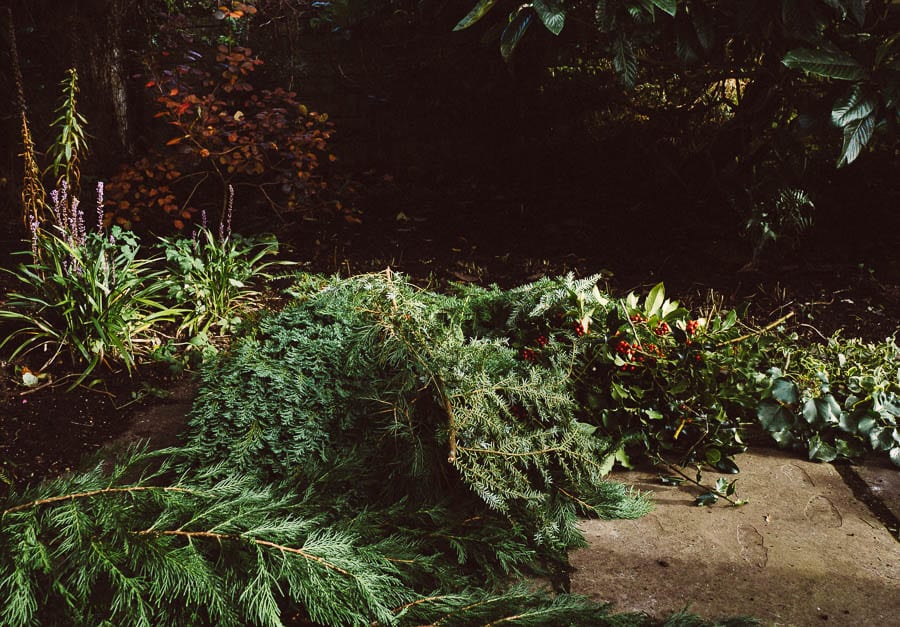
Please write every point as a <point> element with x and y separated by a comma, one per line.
<point>513,32</point>
<point>858,10</point>
<point>477,12</point>
<point>704,27</point>
<point>552,15</point>
<point>605,15</point>
<point>856,135</point>
<point>827,63</point>
<point>665,5</point>
<point>687,48</point>
<point>624,60</point>
<point>800,19</point>
<point>854,106</point>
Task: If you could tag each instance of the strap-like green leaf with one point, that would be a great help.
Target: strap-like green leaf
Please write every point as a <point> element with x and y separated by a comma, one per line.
<point>513,32</point>
<point>552,15</point>
<point>856,135</point>
<point>830,64</point>
<point>477,12</point>
<point>854,106</point>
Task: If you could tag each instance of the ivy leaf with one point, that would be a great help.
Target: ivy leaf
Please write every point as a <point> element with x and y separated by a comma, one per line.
<point>774,418</point>
<point>821,451</point>
<point>854,106</point>
<point>477,12</point>
<point>881,439</point>
<point>825,63</point>
<point>513,32</point>
<point>785,391</point>
<point>552,15</point>
<point>856,135</point>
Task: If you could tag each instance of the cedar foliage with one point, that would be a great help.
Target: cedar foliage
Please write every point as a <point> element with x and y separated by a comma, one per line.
<point>363,457</point>
<point>375,365</point>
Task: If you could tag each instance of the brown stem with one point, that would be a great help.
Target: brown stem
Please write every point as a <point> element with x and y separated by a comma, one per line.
<point>768,327</point>
<point>257,541</point>
<point>84,495</point>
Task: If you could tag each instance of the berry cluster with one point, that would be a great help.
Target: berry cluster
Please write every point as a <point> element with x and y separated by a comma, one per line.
<point>692,326</point>
<point>579,329</point>
<point>542,341</point>
<point>662,329</point>
<point>637,318</point>
<point>528,354</point>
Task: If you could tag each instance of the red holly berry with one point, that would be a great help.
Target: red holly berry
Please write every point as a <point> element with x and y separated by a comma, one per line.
<point>579,329</point>
<point>528,354</point>
<point>692,326</point>
<point>662,329</point>
<point>542,340</point>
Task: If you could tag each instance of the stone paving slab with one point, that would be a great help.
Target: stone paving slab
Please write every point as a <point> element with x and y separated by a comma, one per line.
<point>883,481</point>
<point>804,551</point>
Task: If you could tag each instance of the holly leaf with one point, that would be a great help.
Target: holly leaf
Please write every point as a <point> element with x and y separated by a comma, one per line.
<point>708,498</point>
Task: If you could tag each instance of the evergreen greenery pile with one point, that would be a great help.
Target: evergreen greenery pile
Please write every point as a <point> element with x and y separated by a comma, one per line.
<point>374,366</point>
<point>374,454</point>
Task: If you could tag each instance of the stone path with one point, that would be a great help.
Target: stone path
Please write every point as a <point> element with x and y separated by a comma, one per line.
<point>804,551</point>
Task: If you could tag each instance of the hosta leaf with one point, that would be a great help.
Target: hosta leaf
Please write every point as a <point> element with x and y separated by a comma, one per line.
<point>826,63</point>
<point>552,15</point>
<point>513,32</point>
<point>477,12</point>
<point>856,135</point>
<point>625,61</point>
<point>854,106</point>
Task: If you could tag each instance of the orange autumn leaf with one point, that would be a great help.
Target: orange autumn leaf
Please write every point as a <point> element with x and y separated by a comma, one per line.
<point>173,91</point>
<point>174,141</point>
<point>178,224</point>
